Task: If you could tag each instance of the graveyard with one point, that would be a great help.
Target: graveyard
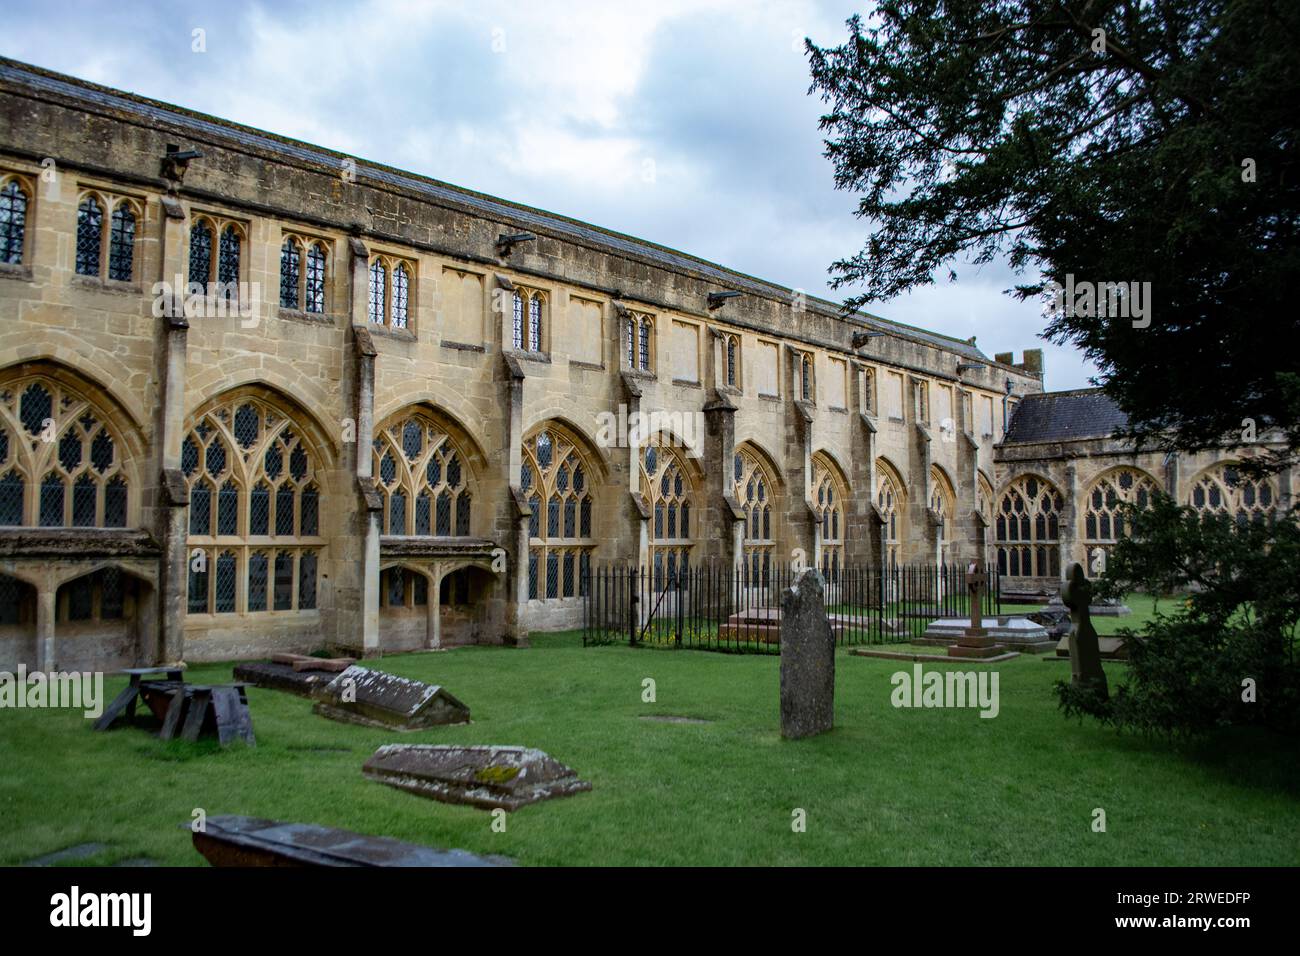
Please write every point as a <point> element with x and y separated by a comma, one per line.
<point>700,775</point>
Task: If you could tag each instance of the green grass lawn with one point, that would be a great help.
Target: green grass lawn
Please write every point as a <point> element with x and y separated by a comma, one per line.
<point>886,787</point>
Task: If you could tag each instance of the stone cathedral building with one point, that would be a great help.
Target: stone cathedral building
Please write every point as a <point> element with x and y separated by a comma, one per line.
<point>256,395</point>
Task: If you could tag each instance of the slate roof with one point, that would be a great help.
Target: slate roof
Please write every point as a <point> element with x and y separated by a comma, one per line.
<point>161,114</point>
<point>1065,416</point>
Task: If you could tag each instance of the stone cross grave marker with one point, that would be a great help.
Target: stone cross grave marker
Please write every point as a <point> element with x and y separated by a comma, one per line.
<point>1085,650</point>
<point>975,641</point>
<point>807,660</point>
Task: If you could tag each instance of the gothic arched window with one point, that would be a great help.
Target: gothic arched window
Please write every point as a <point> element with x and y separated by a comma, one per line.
<point>754,490</point>
<point>389,300</point>
<point>556,479</point>
<point>219,274</point>
<point>1028,527</point>
<point>255,518</point>
<point>889,502</point>
<point>424,478</point>
<point>666,487</point>
<point>828,500</point>
<point>116,245</point>
<point>121,243</point>
<point>733,360</point>
<point>13,222</point>
<point>302,289</point>
<point>1103,519</point>
<point>61,462</point>
<point>529,323</point>
<point>90,236</point>
<point>943,503</point>
<point>1224,490</point>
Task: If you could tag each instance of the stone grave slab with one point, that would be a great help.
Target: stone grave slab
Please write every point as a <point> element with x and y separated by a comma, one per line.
<point>279,676</point>
<point>247,841</point>
<point>377,699</point>
<point>1015,633</point>
<point>488,777</point>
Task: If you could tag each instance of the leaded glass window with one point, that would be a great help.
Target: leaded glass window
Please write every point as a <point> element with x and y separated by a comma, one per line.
<point>557,472</point>
<point>1027,524</point>
<point>422,474</point>
<point>121,244</point>
<point>90,236</point>
<point>13,222</point>
<point>80,479</point>
<point>251,461</point>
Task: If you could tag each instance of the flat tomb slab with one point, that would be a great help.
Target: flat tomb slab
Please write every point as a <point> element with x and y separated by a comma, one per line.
<point>301,681</point>
<point>378,699</point>
<point>1017,630</point>
<point>489,777</point>
<point>248,841</point>
<point>1112,648</point>
<point>936,658</point>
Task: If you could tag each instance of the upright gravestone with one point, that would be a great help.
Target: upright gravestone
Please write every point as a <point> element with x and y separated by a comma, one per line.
<point>1085,654</point>
<point>807,660</point>
<point>974,641</point>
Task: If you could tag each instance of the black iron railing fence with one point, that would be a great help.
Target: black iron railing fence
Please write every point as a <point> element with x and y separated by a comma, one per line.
<point>710,607</point>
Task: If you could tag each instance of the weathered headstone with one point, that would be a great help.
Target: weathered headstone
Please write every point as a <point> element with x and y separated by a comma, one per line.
<point>377,699</point>
<point>807,659</point>
<point>247,841</point>
<point>489,777</point>
<point>1085,655</point>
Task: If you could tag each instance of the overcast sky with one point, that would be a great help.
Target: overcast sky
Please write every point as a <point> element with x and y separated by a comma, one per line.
<point>684,123</point>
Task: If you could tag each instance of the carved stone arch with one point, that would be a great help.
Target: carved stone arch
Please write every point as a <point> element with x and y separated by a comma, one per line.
<point>596,456</point>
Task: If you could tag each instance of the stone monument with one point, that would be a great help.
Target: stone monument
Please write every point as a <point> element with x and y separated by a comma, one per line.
<point>807,660</point>
<point>1085,654</point>
<point>976,641</point>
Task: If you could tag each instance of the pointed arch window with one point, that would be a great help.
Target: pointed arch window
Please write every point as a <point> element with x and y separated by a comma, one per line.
<point>645,340</point>
<point>806,377</point>
<point>733,361</point>
<point>90,235</point>
<point>1027,524</point>
<point>254,511</point>
<point>61,462</point>
<point>753,488</point>
<point>1226,492</point>
<point>391,281</point>
<point>889,503</point>
<point>216,274</point>
<point>828,499</point>
<point>425,479</point>
<point>556,477</point>
<point>667,489</point>
<point>302,274</point>
<point>13,221</point>
<point>113,247</point>
<point>1103,517</point>
<point>529,307</point>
